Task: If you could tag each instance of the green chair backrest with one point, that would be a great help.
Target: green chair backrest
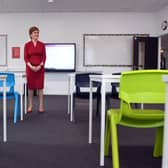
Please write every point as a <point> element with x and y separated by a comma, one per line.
<point>143,86</point>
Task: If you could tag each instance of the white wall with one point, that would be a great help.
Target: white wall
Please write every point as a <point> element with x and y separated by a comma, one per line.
<point>70,27</point>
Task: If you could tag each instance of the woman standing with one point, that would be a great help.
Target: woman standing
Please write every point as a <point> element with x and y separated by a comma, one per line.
<point>35,57</point>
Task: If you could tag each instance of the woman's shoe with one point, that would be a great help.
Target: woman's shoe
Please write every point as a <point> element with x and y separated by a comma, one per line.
<point>41,111</point>
<point>29,110</point>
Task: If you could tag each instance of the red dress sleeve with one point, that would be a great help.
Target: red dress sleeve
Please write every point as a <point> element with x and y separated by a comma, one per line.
<point>44,54</point>
<point>26,59</point>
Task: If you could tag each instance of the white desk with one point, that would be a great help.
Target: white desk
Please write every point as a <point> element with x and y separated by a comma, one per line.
<point>104,79</point>
<point>165,140</point>
<point>71,91</point>
<point>4,89</point>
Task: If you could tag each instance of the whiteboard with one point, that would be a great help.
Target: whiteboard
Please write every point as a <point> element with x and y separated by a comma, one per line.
<point>108,49</point>
<point>3,49</point>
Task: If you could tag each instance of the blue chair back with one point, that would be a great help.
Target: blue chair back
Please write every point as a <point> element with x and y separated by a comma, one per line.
<point>10,81</point>
<point>11,94</point>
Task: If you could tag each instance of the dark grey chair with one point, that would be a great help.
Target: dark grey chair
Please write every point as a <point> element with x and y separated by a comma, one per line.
<point>82,81</point>
<point>114,92</point>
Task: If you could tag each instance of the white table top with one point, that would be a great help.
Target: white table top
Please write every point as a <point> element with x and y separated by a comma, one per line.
<point>105,76</point>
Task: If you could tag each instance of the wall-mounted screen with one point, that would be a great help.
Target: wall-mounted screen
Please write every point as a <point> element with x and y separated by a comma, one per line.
<point>60,57</point>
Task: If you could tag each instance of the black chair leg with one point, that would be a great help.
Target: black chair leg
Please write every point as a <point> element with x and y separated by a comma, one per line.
<point>74,111</point>
<point>97,106</point>
<point>107,102</point>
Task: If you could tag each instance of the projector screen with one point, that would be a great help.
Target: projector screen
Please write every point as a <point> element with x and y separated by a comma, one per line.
<point>60,57</point>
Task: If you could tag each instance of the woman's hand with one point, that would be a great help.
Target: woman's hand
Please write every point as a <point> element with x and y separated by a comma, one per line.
<point>38,68</point>
<point>34,68</point>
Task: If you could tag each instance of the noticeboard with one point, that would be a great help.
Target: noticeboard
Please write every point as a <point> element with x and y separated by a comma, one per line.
<point>3,49</point>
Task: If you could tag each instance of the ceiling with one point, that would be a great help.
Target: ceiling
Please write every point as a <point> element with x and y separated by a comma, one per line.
<point>82,5</point>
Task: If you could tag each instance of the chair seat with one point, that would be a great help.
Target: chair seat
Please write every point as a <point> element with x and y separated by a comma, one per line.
<point>141,124</point>
<point>85,95</point>
<point>150,119</point>
<point>146,114</point>
<point>9,95</point>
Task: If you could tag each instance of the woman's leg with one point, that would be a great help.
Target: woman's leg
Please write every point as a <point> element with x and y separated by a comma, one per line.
<point>30,95</point>
<point>41,106</point>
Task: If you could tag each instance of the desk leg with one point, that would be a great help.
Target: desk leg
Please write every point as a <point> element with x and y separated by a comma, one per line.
<point>102,133</point>
<point>4,114</point>
<point>21,98</point>
<point>90,111</point>
<point>142,106</point>
<point>69,95</point>
<point>71,111</point>
<point>165,140</point>
<point>25,97</point>
<point>21,107</point>
<point>69,103</point>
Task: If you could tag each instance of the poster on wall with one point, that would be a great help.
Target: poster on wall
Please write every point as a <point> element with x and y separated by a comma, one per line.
<point>15,52</point>
<point>3,49</point>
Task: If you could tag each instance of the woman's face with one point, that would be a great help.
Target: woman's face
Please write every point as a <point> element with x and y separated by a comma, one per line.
<point>35,35</point>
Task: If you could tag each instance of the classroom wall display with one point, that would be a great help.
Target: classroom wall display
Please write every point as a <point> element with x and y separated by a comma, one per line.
<point>108,49</point>
<point>3,49</point>
<point>61,57</point>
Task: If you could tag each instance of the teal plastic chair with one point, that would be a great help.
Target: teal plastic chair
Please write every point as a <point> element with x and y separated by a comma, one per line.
<point>11,94</point>
<point>140,86</point>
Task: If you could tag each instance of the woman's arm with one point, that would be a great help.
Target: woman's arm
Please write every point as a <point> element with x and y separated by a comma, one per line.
<point>26,59</point>
<point>43,56</point>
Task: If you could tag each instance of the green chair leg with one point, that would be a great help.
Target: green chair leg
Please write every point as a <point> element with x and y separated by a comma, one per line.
<point>158,142</point>
<point>114,135</point>
<point>107,137</point>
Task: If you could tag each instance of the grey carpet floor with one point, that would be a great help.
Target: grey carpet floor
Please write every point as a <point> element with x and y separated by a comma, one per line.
<point>50,140</point>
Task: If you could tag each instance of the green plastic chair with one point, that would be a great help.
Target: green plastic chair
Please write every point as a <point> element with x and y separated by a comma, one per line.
<point>142,87</point>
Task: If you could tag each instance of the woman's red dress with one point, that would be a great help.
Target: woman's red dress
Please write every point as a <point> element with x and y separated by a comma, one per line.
<point>35,55</point>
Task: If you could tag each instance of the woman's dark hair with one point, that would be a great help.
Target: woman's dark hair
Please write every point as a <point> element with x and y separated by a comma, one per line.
<point>32,29</point>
